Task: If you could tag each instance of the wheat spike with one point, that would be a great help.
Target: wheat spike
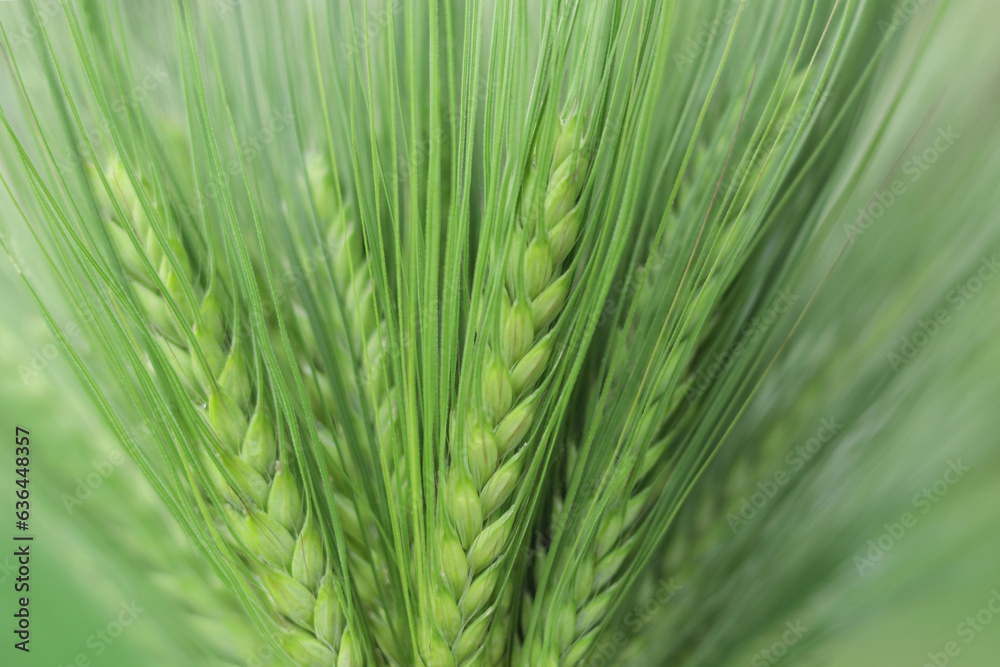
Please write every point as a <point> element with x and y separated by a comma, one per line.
<point>597,579</point>
<point>476,523</point>
<point>263,510</point>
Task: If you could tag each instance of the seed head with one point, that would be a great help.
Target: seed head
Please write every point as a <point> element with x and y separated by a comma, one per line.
<point>538,266</point>
<point>454,568</point>
<point>562,235</point>
<point>246,482</point>
<point>347,657</point>
<point>227,420</point>
<point>529,369</point>
<point>270,540</point>
<point>234,381</point>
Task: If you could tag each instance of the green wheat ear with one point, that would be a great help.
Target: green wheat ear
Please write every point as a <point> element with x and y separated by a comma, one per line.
<point>477,521</point>
<point>356,329</point>
<point>358,335</point>
<point>256,498</point>
<point>596,581</point>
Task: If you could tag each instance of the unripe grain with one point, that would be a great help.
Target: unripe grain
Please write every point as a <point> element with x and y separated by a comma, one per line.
<point>468,513</point>
<point>284,503</point>
<point>479,592</point>
<point>307,559</point>
<point>306,651</point>
<point>502,483</point>
<point>259,447</point>
<point>328,617</point>
<point>498,394</point>
<point>483,454</point>
<point>490,542</point>
<point>290,597</point>
<point>448,618</point>
<point>471,639</point>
